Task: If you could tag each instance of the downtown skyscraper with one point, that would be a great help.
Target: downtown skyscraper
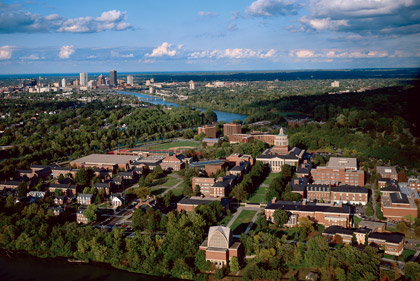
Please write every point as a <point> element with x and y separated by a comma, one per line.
<point>83,79</point>
<point>113,78</point>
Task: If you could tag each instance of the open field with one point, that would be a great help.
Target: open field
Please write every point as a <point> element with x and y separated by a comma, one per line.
<point>175,145</point>
<point>270,178</point>
<point>242,221</point>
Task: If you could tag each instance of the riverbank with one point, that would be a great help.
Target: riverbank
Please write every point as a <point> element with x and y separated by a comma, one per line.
<point>221,115</point>
<point>18,265</point>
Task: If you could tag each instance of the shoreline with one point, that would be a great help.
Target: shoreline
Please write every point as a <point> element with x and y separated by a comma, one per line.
<point>13,255</point>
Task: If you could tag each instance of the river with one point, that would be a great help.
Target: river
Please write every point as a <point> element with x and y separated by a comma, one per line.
<point>221,115</point>
<point>29,268</point>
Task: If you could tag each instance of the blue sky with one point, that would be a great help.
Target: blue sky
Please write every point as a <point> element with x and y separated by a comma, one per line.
<point>167,35</point>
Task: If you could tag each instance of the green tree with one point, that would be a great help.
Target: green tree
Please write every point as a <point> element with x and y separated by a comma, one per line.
<point>142,192</point>
<point>234,265</point>
<point>318,251</point>
<point>91,212</point>
<point>58,192</point>
<point>200,261</point>
<point>281,217</point>
<point>21,189</point>
<point>412,271</point>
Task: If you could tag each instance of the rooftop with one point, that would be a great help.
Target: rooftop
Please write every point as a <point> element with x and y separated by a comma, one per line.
<point>110,159</point>
<point>342,162</point>
<point>297,206</point>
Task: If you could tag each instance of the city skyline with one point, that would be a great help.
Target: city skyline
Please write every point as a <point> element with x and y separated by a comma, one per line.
<point>157,36</point>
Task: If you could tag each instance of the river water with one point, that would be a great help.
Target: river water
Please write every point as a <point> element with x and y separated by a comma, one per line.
<point>221,115</point>
<point>29,268</point>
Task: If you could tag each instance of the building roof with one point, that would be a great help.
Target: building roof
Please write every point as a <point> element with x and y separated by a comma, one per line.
<point>388,237</point>
<point>107,159</point>
<point>304,170</point>
<point>318,187</point>
<point>342,162</point>
<point>58,185</point>
<point>399,198</point>
<point>214,232</point>
<point>195,200</point>
<point>392,186</point>
<point>297,206</point>
<point>335,229</point>
<point>349,189</point>
<point>386,170</point>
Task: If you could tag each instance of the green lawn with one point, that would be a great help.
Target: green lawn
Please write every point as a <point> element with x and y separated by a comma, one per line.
<point>258,195</point>
<point>171,182</point>
<point>157,190</point>
<point>407,255</point>
<point>225,220</point>
<point>177,191</point>
<point>356,220</point>
<point>270,178</point>
<point>175,144</point>
<point>242,221</point>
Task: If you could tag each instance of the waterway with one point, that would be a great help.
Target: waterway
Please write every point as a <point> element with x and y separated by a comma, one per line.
<point>28,268</point>
<point>221,115</point>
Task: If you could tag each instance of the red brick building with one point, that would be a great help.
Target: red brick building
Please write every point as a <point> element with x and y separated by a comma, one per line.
<point>173,163</point>
<point>231,129</point>
<point>339,170</point>
<point>220,246</point>
<point>188,204</point>
<point>387,172</point>
<point>354,195</point>
<point>398,207</point>
<point>212,169</point>
<point>208,130</point>
<point>318,192</point>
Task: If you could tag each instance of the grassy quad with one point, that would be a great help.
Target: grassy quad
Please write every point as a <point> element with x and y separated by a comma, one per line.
<point>241,223</point>
<point>270,178</point>
<point>258,195</point>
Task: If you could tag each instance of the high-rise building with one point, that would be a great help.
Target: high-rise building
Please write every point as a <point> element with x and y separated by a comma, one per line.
<point>130,80</point>
<point>63,83</point>
<point>231,129</point>
<point>113,78</point>
<point>335,84</point>
<point>83,79</point>
<point>76,82</point>
<point>101,80</point>
<point>192,85</point>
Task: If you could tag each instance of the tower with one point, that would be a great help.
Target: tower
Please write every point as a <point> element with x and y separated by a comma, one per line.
<point>63,83</point>
<point>83,79</point>
<point>113,78</point>
<point>192,85</point>
<point>130,80</point>
<point>281,143</point>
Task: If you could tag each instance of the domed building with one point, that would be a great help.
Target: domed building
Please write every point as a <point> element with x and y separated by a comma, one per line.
<point>220,246</point>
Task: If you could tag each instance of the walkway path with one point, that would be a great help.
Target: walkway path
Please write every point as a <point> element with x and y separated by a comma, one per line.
<point>415,256</point>
<point>238,211</point>
<point>173,187</point>
<point>252,222</point>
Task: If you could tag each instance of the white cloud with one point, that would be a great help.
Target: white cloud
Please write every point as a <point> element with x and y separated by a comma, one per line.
<point>384,17</point>
<point>115,54</point>
<point>273,7</point>
<point>206,14</point>
<point>324,23</point>
<point>6,52</point>
<point>306,54</point>
<point>21,21</point>
<point>66,51</point>
<point>237,53</point>
<point>30,57</point>
<point>162,50</point>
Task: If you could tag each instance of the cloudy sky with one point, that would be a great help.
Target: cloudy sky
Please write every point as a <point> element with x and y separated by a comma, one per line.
<point>166,35</point>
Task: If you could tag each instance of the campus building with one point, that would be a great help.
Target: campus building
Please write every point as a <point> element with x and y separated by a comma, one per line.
<point>105,161</point>
<point>231,129</point>
<point>220,246</point>
<point>339,170</point>
<point>208,130</point>
<point>324,214</point>
<point>387,172</point>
